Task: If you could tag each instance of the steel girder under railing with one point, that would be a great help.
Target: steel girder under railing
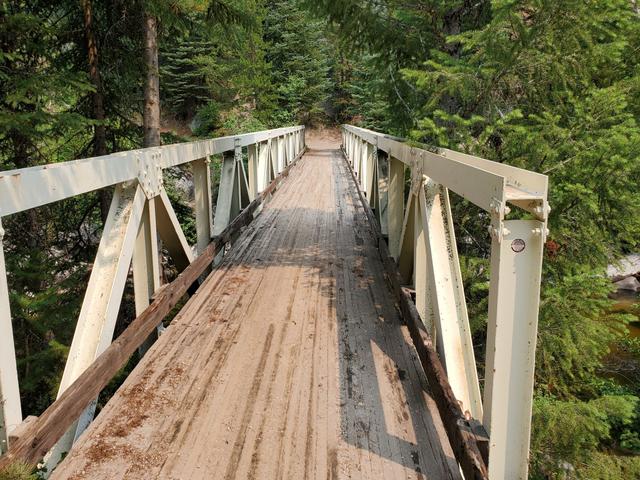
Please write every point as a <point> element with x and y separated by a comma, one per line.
<point>140,215</point>
<point>421,238</point>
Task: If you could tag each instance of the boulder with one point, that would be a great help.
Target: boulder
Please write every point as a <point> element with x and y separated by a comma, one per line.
<point>630,283</point>
<point>625,267</point>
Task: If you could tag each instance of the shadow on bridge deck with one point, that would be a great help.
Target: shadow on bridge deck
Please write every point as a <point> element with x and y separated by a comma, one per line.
<point>289,362</point>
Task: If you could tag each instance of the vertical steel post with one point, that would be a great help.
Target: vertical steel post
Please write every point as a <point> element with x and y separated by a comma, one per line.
<point>10,409</point>
<point>275,155</point>
<point>407,241</point>
<point>381,177</point>
<point>227,206</point>
<point>514,296</point>
<point>422,279</point>
<point>263,167</point>
<point>252,165</point>
<point>146,267</point>
<point>281,153</point>
<point>202,192</point>
<point>395,205</point>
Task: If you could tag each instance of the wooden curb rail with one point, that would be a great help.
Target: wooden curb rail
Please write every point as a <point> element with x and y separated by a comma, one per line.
<point>40,435</point>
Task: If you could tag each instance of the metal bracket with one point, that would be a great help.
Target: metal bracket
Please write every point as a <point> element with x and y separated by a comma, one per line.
<point>498,211</point>
<point>150,173</point>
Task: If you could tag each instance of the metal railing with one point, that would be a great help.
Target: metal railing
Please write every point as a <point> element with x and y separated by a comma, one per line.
<point>140,214</point>
<point>422,241</point>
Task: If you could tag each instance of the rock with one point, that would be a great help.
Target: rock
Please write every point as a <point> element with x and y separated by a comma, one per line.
<point>630,283</point>
<point>627,266</point>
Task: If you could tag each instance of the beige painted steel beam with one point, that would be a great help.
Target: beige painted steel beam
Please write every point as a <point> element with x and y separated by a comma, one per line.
<point>225,204</point>
<point>252,166</point>
<point>478,180</point>
<point>146,266</point>
<point>382,182</point>
<point>32,187</point>
<point>203,207</point>
<point>10,409</point>
<point>395,205</point>
<point>263,167</point>
<point>422,279</point>
<point>516,266</point>
<point>447,302</point>
<point>407,241</point>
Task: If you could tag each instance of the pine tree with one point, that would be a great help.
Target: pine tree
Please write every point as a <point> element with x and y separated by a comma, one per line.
<point>299,62</point>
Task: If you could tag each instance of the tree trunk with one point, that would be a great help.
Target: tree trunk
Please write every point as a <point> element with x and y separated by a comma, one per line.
<point>99,130</point>
<point>152,83</point>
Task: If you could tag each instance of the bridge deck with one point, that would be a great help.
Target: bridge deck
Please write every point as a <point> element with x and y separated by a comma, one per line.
<point>289,362</point>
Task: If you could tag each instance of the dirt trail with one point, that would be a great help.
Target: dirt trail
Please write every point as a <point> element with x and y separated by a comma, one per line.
<point>289,362</point>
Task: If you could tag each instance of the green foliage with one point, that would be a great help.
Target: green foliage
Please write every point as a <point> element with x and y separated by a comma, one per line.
<point>17,471</point>
<point>568,430</point>
<point>298,53</point>
<point>207,119</point>
<point>574,431</point>
<point>609,467</point>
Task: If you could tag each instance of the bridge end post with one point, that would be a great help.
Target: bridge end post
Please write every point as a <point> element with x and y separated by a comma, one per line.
<point>514,296</point>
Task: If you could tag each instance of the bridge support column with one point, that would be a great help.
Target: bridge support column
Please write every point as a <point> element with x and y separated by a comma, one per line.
<point>407,241</point>
<point>366,172</point>
<point>395,205</point>
<point>202,189</point>
<point>229,193</point>
<point>275,154</point>
<point>290,149</point>
<point>253,153</point>
<point>516,266</point>
<point>382,183</point>
<point>146,266</point>
<point>10,409</point>
<point>263,166</point>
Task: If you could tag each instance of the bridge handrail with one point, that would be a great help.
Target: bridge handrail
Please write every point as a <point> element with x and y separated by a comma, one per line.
<point>421,239</point>
<point>140,214</point>
<point>26,188</point>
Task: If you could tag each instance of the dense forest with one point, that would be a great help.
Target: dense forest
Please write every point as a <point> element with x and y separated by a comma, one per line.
<point>550,86</point>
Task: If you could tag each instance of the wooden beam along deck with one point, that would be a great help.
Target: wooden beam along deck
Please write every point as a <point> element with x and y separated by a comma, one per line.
<point>291,360</point>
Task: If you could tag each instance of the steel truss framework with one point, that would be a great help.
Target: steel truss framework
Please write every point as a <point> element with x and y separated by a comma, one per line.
<point>421,239</point>
<point>140,216</point>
